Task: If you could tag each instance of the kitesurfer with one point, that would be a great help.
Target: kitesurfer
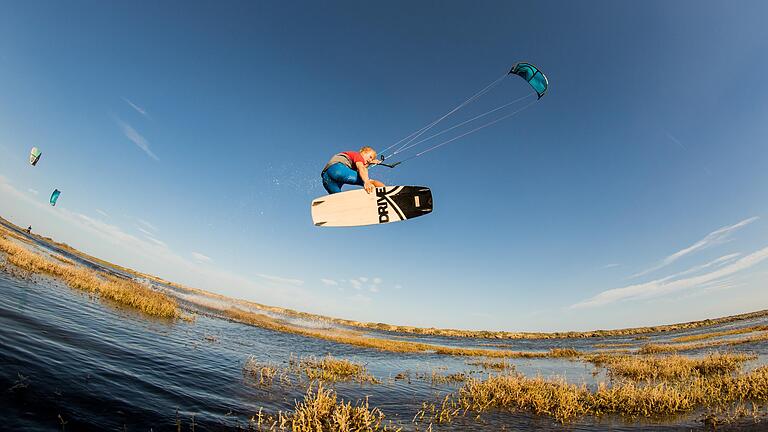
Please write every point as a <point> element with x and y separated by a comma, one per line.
<point>350,167</point>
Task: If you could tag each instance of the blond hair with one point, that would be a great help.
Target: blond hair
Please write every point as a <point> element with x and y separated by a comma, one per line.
<point>367,148</point>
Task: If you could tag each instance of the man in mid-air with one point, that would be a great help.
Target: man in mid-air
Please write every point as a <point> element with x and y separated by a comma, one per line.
<point>350,167</point>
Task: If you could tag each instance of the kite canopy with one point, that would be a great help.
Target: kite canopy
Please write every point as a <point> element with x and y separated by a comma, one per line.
<point>533,75</point>
<point>34,156</point>
<point>55,196</point>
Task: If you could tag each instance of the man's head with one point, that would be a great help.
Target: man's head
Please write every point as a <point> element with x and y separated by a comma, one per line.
<point>368,154</point>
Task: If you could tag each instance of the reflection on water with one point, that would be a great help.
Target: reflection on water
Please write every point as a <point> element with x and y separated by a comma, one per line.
<point>67,359</point>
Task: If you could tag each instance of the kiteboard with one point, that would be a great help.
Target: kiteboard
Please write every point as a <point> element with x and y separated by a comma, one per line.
<point>384,205</point>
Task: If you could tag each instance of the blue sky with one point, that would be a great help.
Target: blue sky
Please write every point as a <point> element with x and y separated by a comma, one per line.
<point>188,137</point>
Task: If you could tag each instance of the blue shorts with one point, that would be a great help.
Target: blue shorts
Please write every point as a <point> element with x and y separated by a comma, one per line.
<point>339,174</point>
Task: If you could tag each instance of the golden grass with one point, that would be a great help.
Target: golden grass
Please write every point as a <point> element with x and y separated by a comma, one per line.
<point>63,260</point>
<point>322,410</point>
<point>674,367</point>
<point>668,348</point>
<point>326,369</point>
<point>498,365</point>
<point>17,236</point>
<point>614,345</point>
<point>564,353</point>
<point>400,346</point>
<point>435,377</point>
<point>331,369</point>
<point>124,292</point>
<point>565,402</point>
<point>483,334</point>
<point>265,374</point>
<point>718,416</point>
<point>703,336</point>
<point>524,335</point>
<point>438,378</point>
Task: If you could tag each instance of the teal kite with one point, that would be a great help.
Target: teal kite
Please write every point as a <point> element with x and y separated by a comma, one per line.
<point>533,75</point>
<point>34,156</point>
<point>55,196</point>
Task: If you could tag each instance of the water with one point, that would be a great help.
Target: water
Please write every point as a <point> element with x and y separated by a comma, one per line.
<point>72,362</point>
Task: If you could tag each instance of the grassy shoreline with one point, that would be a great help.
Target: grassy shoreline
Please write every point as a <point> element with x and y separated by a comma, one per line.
<point>714,385</point>
<point>121,291</point>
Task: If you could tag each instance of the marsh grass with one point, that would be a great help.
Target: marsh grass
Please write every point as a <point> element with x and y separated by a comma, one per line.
<point>438,378</point>
<point>650,387</point>
<point>123,292</point>
<point>490,364</point>
<point>614,345</point>
<point>703,336</point>
<point>564,353</point>
<point>265,374</point>
<point>565,402</point>
<point>440,412</point>
<point>326,369</point>
<point>400,346</point>
<point>331,369</point>
<point>17,236</point>
<point>527,335</point>
<point>322,410</point>
<point>671,367</point>
<point>669,348</point>
<point>737,413</point>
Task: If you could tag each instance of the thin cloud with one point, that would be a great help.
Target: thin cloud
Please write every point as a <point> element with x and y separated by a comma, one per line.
<point>365,282</point>
<point>715,237</point>
<point>145,232</point>
<point>667,285</point>
<point>33,192</point>
<point>375,285</point>
<point>279,279</point>
<point>113,233</point>
<point>361,283</point>
<point>201,258</point>
<point>676,141</point>
<point>156,241</point>
<point>608,266</point>
<point>147,225</point>
<point>708,289</point>
<point>102,212</point>
<point>138,109</point>
<point>725,259</point>
<point>136,138</point>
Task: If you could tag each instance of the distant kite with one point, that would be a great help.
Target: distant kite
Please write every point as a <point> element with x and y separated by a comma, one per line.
<point>34,156</point>
<point>55,196</point>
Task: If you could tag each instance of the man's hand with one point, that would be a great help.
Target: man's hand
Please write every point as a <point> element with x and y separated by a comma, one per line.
<point>368,186</point>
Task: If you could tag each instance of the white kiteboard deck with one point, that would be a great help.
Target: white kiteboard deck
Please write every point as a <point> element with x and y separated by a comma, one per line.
<point>384,205</point>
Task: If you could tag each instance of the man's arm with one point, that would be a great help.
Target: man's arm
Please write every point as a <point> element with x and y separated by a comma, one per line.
<point>362,171</point>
